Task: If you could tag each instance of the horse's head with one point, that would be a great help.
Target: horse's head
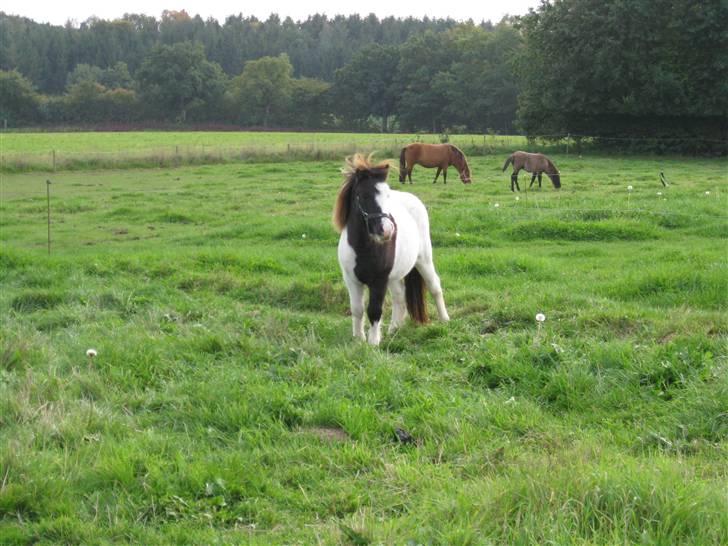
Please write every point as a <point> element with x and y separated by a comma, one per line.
<point>465,174</point>
<point>461,164</point>
<point>363,202</point>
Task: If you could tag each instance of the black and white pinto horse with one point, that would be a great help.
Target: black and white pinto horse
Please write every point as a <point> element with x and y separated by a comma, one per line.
<point>384,244</point>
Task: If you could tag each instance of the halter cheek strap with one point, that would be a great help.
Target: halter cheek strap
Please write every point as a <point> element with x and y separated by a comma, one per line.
<point>372,215</point>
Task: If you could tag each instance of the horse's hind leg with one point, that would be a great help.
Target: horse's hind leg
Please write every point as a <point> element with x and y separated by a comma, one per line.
<point>432,281</point>
<point>533,179</point>
<point>444,175</point>
<point>399,304</point>
<point>439,169</point>
<point>514,182</point>
<point>409,173</point>
<point>539,180</point>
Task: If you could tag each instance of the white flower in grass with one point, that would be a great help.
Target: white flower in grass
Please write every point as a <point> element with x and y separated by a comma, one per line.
<point>457,234</point>
<point>659,193</point>
<point>518,198</point>
<point>629,188</point>
<point>496,205</point>
<point>707,193</point>
<point>540,317</point>
<point>303,236</point>
<point>91,353</point>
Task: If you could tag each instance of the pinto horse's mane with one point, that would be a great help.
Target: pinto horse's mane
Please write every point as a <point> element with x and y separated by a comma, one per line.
<point>357,167</point>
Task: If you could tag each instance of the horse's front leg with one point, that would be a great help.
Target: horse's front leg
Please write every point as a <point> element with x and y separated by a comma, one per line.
<point>533,179</point>
<point>439,169</point>
<point>539,180</point>
<point>409,173</point>
<point>444,175</point>
<point>356,301</point>
<point>374,311</point>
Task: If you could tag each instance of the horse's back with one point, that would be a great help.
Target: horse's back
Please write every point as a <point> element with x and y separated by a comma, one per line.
<point>414,227</point>
<point>428,155</point>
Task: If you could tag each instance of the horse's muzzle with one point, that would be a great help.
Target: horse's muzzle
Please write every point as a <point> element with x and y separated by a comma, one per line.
<point>388,229</point>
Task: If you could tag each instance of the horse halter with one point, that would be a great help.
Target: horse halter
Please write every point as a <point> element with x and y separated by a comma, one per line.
<point>372,215</point>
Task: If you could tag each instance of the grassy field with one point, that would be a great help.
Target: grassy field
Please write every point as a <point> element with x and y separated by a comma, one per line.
<point>228,404</point>
<point>83,151</point>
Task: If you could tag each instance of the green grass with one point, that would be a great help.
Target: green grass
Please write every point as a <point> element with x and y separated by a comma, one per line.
<point>23,152</point>
<point>228,404</point>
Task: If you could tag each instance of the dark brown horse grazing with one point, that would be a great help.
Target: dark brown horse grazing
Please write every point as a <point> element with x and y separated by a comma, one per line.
<point>537,164</point>
<point>433,155</point>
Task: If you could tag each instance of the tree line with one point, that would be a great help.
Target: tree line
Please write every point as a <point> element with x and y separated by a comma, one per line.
<point>610,69</point>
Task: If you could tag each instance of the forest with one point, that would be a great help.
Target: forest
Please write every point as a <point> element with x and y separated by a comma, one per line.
<point>606,70</point>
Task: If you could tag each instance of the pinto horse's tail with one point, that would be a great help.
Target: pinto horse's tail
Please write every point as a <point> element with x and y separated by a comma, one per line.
<point>414,289</point>
<point>508,162</point>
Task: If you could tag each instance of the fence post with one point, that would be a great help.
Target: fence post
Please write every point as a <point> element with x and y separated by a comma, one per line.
<point>48,193</point>
<point>54,161</point>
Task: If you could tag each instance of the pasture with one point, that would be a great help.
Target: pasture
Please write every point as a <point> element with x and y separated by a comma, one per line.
<point>82,151</point>
<point>228,404</point>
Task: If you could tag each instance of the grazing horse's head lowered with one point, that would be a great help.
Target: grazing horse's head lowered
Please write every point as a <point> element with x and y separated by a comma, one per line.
<point>384,245</point>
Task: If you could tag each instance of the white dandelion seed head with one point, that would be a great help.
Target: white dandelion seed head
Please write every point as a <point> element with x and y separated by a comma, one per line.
<point>540,317</point>
<point>91,353</point>
<point>496,205</point>
<point>303,236</point>
<point>659,193</point>
<point>707,193</point>
<point>518,198</point>
<point>457,234</point>
<point>629,188</point>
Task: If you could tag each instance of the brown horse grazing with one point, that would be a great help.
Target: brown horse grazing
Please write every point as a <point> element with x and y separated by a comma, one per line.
<point>537,164</point>
<point>433,155</point>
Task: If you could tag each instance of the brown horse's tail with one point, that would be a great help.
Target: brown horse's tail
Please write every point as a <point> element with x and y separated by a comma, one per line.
<point>414,289</point>
<point>508,162</point>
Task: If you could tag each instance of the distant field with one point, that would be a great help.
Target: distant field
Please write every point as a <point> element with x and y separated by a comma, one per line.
<point>43,151</point>
<point>228,404</point>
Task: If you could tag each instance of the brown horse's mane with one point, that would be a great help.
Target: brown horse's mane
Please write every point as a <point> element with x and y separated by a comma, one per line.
<point>458,153</point>
<point>355,168</point>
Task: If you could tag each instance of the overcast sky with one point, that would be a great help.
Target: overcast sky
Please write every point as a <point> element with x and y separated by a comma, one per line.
<point>58,12</point>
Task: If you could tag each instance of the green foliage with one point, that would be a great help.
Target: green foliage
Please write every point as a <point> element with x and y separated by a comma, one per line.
<point>619,70</point>
<point>368,85</point>
<point>178,78</point>
<point>262,93</point>
<point>19,103</point>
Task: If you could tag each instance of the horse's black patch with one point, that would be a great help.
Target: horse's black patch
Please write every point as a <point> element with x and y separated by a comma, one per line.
<point>374,260</point>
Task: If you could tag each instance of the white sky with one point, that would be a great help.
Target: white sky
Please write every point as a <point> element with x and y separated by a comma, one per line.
<point>57,13</point>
